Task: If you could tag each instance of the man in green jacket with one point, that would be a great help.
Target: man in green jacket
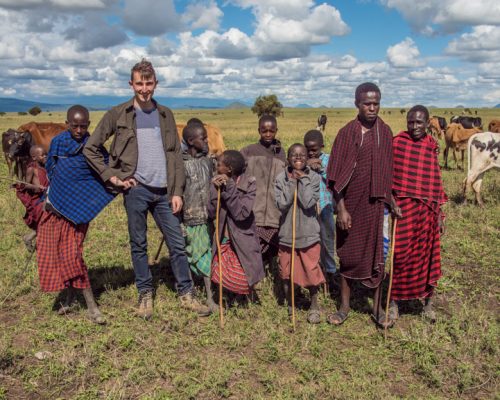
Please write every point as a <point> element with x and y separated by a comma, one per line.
<point>145,163</point>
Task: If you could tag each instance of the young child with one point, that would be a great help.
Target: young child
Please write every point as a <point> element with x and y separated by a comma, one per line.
<point>74,198</point>
<point>242,264</point>
<point>318,162</point>
<point>265,160</point>
<point>31,192</point>
<point>198,169</point>
<point>307,271</point>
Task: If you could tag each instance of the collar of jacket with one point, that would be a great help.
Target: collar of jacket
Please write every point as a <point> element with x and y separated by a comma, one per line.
<point>127,118</point>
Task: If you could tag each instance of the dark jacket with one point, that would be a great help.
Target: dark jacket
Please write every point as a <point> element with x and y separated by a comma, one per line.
<point>123,152</point>
<point>265,163</point>
<point>237,200</point>
<point>198,171</point>
<point>307,225</point>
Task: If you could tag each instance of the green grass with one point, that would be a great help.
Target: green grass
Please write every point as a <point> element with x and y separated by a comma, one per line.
<point>180,356</point>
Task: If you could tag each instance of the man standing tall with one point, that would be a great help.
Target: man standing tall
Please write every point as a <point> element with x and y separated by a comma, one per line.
<point>146,165</point>
<point>360,176</point>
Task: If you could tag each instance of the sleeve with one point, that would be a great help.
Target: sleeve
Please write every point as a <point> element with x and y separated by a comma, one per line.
<point>308,190</point>
<point>180,177</point>
<point>212,202</point>
<point>92,150</point>
<point>284,190</point>
<point>239,203</point>
<point>51,159</point>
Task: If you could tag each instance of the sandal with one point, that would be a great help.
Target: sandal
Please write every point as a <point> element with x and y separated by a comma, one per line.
<point>97,318</point>
<point>337,318</point>
<point>380,321</point>
<point>314,317</point>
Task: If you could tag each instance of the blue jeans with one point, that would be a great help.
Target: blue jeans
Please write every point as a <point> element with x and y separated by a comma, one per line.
<point>327,234</point>
<point>140,200</point>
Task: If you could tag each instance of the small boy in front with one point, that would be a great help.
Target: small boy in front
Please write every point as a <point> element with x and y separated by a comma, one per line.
<point>75,195</point>
<point>318,162</point>
<point>31,192</point>
<point>307,272</point>
<point>198,169</point>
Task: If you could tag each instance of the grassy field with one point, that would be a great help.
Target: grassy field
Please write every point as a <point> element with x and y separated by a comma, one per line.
<point>180,356</point>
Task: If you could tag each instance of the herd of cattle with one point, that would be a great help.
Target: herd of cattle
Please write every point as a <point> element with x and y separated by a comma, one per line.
<point>462,133</point>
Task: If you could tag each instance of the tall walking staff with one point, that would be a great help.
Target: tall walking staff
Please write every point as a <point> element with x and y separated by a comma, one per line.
<point>219,258</point>
<point>292,261</point>
<point>391,271</point>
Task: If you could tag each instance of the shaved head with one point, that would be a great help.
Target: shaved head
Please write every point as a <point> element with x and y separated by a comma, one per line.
<point>77,109</point>
<point>35,149</point>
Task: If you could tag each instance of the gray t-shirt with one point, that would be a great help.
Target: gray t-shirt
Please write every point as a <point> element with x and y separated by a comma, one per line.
<point>151,163</point>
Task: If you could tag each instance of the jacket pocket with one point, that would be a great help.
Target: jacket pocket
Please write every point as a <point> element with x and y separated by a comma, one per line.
<point>121,140</point>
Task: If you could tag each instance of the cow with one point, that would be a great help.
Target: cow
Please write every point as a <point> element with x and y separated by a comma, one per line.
<point>484,154</point>
<point>456,137</point>
<point>8,138</point>
<point>215,139</point>
<point>467,122</point>
<point>494,126</point>
<point>39,133</point>
<point>437,126</point>
<point>322,119</point>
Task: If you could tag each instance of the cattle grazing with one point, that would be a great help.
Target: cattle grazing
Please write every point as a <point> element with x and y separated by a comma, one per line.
<point>494,126</point>
<point>437,126</point>
<point>322,119</point>
<point>467,122</point>
<point>456,137</point>
<point>484,154</point>
<point>39,133</point>
<point>215,139</point>
<point>8,138</point>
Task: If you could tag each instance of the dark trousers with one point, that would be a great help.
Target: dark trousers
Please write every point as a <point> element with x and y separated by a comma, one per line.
<point>140,200</point>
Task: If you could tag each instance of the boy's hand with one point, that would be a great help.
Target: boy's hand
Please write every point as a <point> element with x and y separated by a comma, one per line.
<point>298,173</point>
<point>176,204</point>
<point>125,184</point>
<point>314,164</point>
<point>344,220</point>
<point>219,180</point>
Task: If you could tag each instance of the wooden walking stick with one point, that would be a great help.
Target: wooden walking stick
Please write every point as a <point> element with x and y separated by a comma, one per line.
<point>325,285</point>
<point>292,261</point>
<point>391,271</point>
<point>217,241</point>
<point>159,250</point>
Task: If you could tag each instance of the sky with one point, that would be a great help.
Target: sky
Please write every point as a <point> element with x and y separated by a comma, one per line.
<point>431,52</point>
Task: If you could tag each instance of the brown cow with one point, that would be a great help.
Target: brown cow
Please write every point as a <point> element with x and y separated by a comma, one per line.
<point>456,137</point>
<point>215,140</point>
<point>494,126</point>
<point>8,138</point>
<point>437,126</point>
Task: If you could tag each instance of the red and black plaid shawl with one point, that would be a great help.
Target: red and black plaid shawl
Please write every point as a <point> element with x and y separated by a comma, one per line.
<point>416,168</point>
<point>344,153</point>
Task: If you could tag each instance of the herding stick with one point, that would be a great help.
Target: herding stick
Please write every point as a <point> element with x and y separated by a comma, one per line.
<point>292,261</point>
<point>219,257</point>
<point>391,270</point>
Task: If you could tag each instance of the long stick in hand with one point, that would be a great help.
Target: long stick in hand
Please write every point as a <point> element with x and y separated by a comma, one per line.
<point>159,250</point>
<point>391,271</point>
<point>219,257</point>
<point>292,261</point>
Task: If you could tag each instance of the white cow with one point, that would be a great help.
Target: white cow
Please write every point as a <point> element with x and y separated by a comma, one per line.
<point>484,154</point>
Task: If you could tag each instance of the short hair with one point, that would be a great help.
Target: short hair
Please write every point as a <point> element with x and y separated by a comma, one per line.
<point>268,117</point>
<point>77,108</point>
<point>145,68</point>
<point>194,121</point>
<point>34,148</point>
<point>421,108</point>
<point>293,146</point>
<point>365,88</point>
<point>191,130</point>
<point>314,136</point>
<point>235,160</point>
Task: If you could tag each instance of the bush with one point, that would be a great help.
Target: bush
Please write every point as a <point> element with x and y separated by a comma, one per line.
<point>22,113</point>
<point>267,105</point>
<point>35,110</point>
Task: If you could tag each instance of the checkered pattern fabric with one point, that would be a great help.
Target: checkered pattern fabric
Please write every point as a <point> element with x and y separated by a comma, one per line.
<point>59,254</point>
<point>76,192</point>
<point>199,249</point>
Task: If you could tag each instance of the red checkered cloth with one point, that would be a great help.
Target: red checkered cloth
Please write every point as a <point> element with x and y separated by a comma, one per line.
<point>233,274</point>
<point>416,168</point>
<point>32,200</point>
<point>419,193</point>
<point>417,254</point>
<point>60,254</point>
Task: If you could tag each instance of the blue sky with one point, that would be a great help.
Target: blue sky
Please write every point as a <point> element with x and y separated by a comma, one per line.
<point>435,52</point>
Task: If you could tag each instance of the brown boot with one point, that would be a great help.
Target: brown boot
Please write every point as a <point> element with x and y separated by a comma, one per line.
<point>145,306</point>
<point>189,302</point>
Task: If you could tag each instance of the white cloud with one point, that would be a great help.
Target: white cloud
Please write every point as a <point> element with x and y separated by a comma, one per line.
<point>203,15</point>
<point>151,17</point>
<point>404,54</point>
<point>480,45</point>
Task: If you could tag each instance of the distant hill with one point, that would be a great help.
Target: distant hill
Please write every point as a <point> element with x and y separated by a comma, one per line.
<point>303,106</point>
<point>16,105</point>
<point>236,105</point>
<point>497,106</point>
<point>459,106</point>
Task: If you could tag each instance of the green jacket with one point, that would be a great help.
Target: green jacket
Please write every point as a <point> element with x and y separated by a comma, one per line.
<point>120,123</point>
